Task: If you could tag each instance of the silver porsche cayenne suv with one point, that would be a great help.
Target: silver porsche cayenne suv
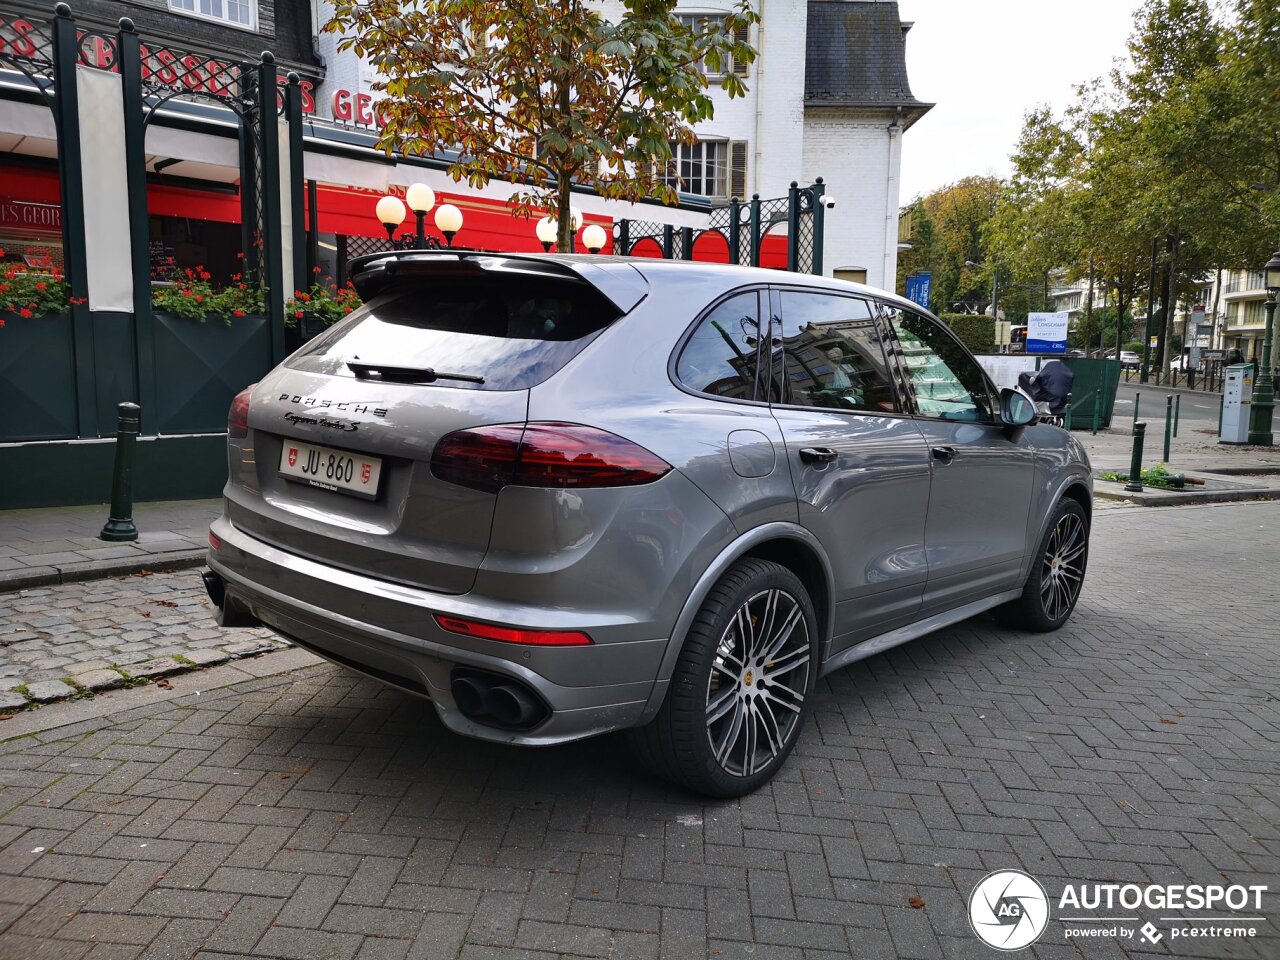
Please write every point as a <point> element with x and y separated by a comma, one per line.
<point>560,496</point>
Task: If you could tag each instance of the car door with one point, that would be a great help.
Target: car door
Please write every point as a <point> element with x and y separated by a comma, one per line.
<point>983,472</point>
<point>859,462</point>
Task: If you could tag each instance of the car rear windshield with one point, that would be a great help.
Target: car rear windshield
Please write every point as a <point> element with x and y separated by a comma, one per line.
<point>514,332</point>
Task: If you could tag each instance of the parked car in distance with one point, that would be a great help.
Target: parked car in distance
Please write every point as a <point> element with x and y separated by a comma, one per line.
<point>1129,360</point>
<point>560,496</point>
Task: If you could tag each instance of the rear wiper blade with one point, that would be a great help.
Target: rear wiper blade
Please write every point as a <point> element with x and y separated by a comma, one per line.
<point>380,371</point>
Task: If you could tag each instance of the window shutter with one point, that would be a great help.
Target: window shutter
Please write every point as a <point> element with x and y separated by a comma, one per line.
<point>738,169</point>
<point>740,36</point>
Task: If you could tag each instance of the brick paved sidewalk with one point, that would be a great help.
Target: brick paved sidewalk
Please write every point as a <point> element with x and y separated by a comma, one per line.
<point>318,815</point>
<point>60,544</point>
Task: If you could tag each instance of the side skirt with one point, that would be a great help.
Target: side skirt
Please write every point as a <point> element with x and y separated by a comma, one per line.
<point>885,641</point>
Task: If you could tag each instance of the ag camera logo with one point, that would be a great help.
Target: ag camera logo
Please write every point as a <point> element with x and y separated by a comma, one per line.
<point>1008,910</point>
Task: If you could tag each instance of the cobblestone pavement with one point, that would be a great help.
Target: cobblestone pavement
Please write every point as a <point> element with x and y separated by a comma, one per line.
<point>101,632</point>
<point>318,815</point>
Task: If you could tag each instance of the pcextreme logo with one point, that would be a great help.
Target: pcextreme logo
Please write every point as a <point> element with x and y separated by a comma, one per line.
<point>1009,910</point>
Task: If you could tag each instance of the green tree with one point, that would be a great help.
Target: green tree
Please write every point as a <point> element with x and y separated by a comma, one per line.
<point>948,242</point>
<point>547,92</point>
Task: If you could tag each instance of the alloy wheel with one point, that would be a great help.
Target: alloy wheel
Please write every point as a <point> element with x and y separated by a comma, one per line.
<point>759,678</point>
<point>1063,567</point>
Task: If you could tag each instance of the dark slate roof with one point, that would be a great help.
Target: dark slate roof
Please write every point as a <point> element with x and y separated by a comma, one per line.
<point>856,57</point>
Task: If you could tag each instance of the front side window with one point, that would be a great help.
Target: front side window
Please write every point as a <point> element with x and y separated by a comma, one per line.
<point>831,355</point>
<point>240,13</point>
<point>947,382</point>
<point>701,168</point>
<point>721,357</point>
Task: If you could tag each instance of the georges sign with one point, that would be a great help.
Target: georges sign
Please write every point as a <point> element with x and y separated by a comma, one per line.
<point>30,216</point>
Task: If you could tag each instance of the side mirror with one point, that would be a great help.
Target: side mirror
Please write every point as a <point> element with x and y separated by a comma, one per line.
<point>1016,410</point>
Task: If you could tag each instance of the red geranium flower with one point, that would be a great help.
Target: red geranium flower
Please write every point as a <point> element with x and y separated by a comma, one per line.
<point>298,314</point>
<point>24,312</point>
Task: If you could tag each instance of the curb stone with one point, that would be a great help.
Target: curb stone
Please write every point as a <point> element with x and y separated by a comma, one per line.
<point>25,698</point>
<point>45,576</point>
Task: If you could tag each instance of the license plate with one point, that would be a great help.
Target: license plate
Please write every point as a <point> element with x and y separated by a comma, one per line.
<point>338,470</point>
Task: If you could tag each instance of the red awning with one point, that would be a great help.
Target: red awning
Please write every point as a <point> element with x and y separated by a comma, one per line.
<point>486,224</point>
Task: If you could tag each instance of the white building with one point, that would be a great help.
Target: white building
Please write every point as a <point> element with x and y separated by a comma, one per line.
<point>827,97</point>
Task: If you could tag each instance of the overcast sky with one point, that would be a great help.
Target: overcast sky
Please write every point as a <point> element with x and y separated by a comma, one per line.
<point>985,63</point>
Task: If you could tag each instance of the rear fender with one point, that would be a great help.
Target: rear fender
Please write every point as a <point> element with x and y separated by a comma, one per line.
<point>726,558</point>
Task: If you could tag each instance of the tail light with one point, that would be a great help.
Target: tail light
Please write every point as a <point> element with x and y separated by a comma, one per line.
<point>492,631</point>
<point>238,415</point>
<point>543,455</point>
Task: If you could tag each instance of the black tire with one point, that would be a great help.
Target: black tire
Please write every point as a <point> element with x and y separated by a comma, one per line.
<point>718,681</point>
<point>1057,573</point>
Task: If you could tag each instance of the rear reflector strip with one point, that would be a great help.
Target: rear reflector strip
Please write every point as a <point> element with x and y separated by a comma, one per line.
<point>491,631</point>
<point>214,541</point>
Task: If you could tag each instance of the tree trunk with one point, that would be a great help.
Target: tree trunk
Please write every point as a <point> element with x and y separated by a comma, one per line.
<point>1088,306</point>
<point>1165,286</point>
<point>1166,346</point>
<point>1214,339</point>
<point>564,216</point>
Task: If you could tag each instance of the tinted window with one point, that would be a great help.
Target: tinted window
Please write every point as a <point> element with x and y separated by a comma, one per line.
<point>830,355</point>
<point>513,332</point>
<point>720,357</point>
<point>947,382</point>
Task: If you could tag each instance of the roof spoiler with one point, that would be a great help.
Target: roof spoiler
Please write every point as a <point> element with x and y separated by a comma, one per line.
<point>620,283</point>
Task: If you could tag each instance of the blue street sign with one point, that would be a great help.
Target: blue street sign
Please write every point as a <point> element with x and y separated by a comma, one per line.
<point>918,285</point>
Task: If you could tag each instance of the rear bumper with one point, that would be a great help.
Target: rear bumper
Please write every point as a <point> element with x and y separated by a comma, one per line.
<point>387,631</point>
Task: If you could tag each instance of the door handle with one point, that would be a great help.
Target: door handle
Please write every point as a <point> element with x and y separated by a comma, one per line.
<point>818,455</point>
<point>944,454</point>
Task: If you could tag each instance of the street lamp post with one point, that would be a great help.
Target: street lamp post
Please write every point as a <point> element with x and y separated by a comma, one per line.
<point>547,231</point>
<point>391,212</point>
<point>594,238</point>
<point>448,221</point>
<point>1260,411</point>
<point>420,199</point>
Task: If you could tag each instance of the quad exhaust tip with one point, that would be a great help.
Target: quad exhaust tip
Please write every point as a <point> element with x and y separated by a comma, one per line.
<point>496,701</point>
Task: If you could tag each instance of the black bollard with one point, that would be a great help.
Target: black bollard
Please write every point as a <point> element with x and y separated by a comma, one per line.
<point>120,526</point>
<point>1168,425</point>
<point>1135,465</point>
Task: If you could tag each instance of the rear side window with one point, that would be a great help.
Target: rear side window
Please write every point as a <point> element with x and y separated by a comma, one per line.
<point>721,356</point>
<point>514,332</point>
<point>830,355</point>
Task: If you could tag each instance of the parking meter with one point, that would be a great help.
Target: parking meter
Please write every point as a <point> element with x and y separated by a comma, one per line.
<point>1237,397</point>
